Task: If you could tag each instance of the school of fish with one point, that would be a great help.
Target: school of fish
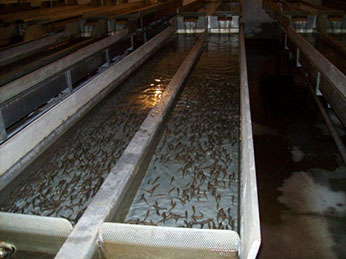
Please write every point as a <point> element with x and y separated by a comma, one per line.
<point>192,180</point>
<point>63,181</point>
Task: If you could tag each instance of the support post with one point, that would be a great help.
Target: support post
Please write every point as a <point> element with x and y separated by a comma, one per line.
<point>3,133</point>
<point>68,80</point>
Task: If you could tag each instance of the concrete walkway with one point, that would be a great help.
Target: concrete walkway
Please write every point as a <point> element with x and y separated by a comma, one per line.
<point>301,177</point>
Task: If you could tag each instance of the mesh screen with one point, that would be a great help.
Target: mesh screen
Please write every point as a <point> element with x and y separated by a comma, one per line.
<point>45,226</point>
<point>137,241</point>
<point>34,233</point>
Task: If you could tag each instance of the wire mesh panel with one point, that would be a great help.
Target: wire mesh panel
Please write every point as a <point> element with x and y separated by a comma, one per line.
<point>138,241</point>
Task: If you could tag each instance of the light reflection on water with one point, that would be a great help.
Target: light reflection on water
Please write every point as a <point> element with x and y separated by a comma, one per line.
<point>152,95</point>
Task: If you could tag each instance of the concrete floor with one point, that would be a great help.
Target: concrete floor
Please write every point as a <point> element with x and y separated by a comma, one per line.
<point>301,177</point>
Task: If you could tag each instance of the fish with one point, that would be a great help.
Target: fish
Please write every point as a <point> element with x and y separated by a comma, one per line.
<point>205,194</point>
<point>221,213</point>
<point>172,207</point>
<point>88,194</point>
<point>58,210</point>
<point>156,206</point>
<point>136,221</point>
<point>152,189</point>
<point>146,214</point>
<point>218,198</point>
<point>214,226</point>
<point>80,201</point>
<point>51,213</point>
<point>164,217</point>
<point>75,179</point>
<point>199,197</point>
<point>198,217</point>
<point>187,223</point>
<point>155,180</point>
<point>170,190</point>
<point>220,226</point>
<point>224,174</point>
<point>160,195</point>
<point>148,223</point>
<point>206,221</point>
<point>33,203</point>
<point>144,199</point>
<point>169,216</point>
<point>70,208</point>
<point>232,224</point>
<point>174,216</point>
<point>185,191</point>
<point>75,205</point>
<point>187,197</point>
<point>182,201</point>
<point>209,186</point>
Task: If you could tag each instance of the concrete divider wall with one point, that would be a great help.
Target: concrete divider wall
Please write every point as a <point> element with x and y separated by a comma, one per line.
<point>250,233</point>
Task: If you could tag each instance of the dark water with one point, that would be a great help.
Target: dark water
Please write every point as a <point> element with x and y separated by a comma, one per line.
<point>26,255</point>
<point>192,179</point>
<point>62,181</point>
<point>285,119</point>
<point>327,50</point>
